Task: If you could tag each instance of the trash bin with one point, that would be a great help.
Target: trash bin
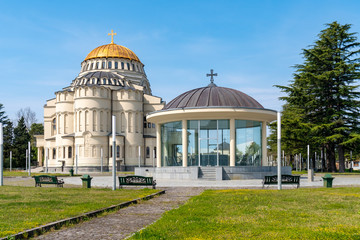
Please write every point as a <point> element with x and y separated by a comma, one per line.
<point>71,172</point>
<point>328,179</point>
<point>86,181</point>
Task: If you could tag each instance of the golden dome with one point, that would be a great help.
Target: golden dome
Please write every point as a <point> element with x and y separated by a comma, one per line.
<point>112,51</point>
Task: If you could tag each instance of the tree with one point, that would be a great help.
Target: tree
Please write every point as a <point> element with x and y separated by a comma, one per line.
<point>324,88</point>
<point>35,129</point>
<point>21,139</point>
<point>8,141</point>
<point>28,115</point>
<point>3,118</point>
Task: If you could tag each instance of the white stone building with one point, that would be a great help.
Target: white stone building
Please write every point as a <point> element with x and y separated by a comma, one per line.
<point>112,81</point>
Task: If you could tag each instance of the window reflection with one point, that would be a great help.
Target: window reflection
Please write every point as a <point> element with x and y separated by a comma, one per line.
<point>248,143</point>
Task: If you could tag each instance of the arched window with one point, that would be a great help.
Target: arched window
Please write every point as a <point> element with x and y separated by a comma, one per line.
<point>109,65</point>
<point>91,66</point>
<point>66,124</point>
<point>118,151</point>
<point>101,121</point>
<point>136,122</point>
<point>122,65</point>
<point>133,67</point>
<point>97,65</point>
<point>94,121</point>
<point>80,121</point>
<point>147,152</point>
<point>123,121</point>
<point>53,126</point>
<point>130,126</point>
<point>104,81</point>
<point>116,65</point>
<point>87,120</point>
<point>103,65</point>
<point>128,66</point>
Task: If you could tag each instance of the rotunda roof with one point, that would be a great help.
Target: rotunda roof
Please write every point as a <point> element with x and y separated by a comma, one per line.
<point>112,50</point>
<point>213,96</point>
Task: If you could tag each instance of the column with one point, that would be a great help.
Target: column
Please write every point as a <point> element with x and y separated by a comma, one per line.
<point>184,143</point>
<point>40,156</point>
<point>232,142</point>
<point>158,145</point>
<point>263,145</point>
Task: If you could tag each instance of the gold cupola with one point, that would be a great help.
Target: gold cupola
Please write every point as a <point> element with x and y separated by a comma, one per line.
<point>112,50</point>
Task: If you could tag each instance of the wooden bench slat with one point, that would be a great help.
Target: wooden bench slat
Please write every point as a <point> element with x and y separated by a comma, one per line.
<point>137,181</point>
<point>285,179</point>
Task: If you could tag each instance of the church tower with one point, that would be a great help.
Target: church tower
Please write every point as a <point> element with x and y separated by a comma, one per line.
<point>77,122</point>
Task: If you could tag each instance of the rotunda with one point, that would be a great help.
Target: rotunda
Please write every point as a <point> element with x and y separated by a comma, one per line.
<point>212,127</point>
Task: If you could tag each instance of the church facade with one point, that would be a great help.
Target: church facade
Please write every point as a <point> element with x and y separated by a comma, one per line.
<point>77,122</point>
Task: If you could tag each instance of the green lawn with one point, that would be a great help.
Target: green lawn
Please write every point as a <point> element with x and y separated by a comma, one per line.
<point>26,174</point>
<point>263,214</point>
<point>27,207</point>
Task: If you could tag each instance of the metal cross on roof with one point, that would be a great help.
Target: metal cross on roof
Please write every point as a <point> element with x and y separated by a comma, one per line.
<point>112,35</point>
<point>211,75</point>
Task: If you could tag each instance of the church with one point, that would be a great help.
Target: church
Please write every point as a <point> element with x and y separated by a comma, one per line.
<point>211,132</point>
<point>77,122</point>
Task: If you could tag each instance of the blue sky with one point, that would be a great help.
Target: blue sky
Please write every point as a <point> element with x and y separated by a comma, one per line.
<point>252,45</point>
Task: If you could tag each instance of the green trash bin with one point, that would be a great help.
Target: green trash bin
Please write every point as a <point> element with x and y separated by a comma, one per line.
<point>86,181</point>
<point>71,172</point>
<point>328,180</point>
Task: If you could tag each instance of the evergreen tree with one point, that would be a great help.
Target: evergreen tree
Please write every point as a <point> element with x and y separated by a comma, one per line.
<point>35,129</point>
<point>3,118</point>
<point>8,142</point>
<point>21,139</point>
<point>324,88</point>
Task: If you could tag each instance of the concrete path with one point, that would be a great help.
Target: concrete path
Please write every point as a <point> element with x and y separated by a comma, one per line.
<point>123,223</point>
<point>106,181</point>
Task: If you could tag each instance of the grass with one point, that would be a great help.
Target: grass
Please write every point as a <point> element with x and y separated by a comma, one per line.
<point>26,174</point>
<point>305,213</point>
<point>60,174</point>
<point>323,173</point>
<point>27,207</point>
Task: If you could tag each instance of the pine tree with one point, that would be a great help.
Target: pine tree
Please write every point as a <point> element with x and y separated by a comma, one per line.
<point>21,139</point>
<point>3,118</point>
<point>8,142</point>
<point>324,88</point>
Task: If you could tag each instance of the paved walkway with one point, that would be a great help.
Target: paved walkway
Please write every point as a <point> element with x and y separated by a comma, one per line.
<point>127,220</point>
<point>106,181</point>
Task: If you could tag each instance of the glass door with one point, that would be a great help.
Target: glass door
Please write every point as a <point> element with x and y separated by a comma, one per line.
<point>208,143</point>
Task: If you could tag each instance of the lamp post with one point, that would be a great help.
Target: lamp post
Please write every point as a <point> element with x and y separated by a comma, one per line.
<point>113,151</point>
<point>102,159</point>
<point>46,160</point>
<point>279,149</point>
<point>10,160</point>
<point>1,155</point>
<point>29,155</point>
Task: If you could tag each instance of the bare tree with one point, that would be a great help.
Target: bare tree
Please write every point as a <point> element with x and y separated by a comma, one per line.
<point>28,115</point>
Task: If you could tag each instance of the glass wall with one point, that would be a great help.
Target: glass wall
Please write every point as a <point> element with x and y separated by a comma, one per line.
<point>208,142</point>
<point>248,143</point>
<point>171,144</point>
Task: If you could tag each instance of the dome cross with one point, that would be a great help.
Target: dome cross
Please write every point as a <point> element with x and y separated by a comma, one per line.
<point>211,75</point>
<point>112,35</point>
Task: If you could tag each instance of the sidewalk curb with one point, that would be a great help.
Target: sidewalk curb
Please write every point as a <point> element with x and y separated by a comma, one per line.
<point>58,224</point>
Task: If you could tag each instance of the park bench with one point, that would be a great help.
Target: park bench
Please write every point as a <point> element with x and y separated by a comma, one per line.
<point>46,179</point>
<point>285,179</point>
<point>137,181</point>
